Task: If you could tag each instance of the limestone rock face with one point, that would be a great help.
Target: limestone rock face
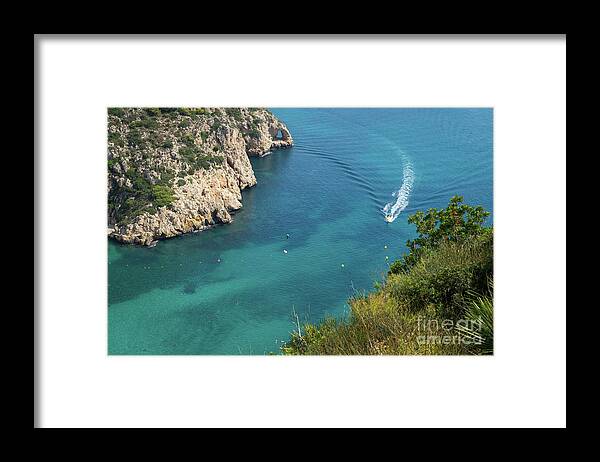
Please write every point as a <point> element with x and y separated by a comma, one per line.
<point>176,171</point>
<point>273,135</point>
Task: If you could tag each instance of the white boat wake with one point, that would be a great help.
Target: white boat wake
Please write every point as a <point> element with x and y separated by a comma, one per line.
<point>391,210</point>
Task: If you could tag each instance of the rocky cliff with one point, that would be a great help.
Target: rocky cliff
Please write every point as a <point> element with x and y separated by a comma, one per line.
<point>176,170</point>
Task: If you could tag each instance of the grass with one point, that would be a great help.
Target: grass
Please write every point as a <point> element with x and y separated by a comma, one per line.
<point>375,327</point>
<point>420,311</point>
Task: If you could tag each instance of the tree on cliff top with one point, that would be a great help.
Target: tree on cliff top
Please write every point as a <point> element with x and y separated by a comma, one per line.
<point>455,223</point>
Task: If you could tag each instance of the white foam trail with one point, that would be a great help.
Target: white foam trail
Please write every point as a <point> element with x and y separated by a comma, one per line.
<point>391,210</point>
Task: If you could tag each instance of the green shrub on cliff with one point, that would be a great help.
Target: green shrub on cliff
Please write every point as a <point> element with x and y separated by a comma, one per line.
<point>253,133</point>
<point>134,138</point>
<point>187,139</point>
<point>112,163</point>
<point>153,111</point>
<point>162,195</point>
<point>148,123</point>
<point>197,159</point>
<point>215,125</point>
<point>234,112</point>
<point>115,137</point>
<point>442,277</point>
<point>190,155</point>
<point>116,111</point>
<point>142,196</point>
<point>455,223</point>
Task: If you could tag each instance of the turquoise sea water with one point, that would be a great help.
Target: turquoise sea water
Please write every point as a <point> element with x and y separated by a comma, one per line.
<point>327,192</point>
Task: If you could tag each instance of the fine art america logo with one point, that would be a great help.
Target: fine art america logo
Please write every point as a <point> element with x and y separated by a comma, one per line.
<point>449,332</point>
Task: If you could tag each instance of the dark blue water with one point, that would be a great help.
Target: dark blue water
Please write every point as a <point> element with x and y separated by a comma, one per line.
<point>327,192</point>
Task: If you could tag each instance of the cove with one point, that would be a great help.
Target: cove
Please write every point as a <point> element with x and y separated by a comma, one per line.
<point>233,290</point>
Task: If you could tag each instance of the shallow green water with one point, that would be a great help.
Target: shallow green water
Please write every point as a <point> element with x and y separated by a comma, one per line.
<point>327,192</point>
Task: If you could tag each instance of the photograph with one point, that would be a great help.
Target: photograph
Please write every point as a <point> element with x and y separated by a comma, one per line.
<point>290,231</point>
<point>300,231</point>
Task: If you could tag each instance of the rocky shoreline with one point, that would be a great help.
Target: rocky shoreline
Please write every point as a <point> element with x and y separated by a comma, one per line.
<point>177,170</point>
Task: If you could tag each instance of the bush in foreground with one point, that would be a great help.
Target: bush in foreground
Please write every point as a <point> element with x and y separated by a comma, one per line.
<point>442,276</point>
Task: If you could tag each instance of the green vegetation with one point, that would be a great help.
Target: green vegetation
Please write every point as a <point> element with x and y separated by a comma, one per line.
<point>116,111</point>
<point>252,133</point>
<point>455,223</point>
<point>184,111</point>
<point>112,163</point>
<point>134,139</point>
<point>188,139</point>
<point>116,138</point>
<point>162,195</point>
<point>142,196</point>
<point>197,159</point>
<point>153,111</point>
<point>200,111</point>
<point>436,300</point>
<point>443,276</point>
<point>480,312</point>
<point>148,123</point>
<point>164,144</point>
<point>215,126</point>
<point>236,113</point>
